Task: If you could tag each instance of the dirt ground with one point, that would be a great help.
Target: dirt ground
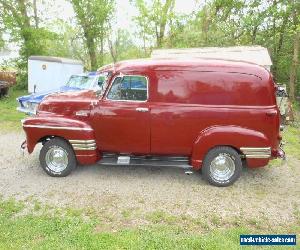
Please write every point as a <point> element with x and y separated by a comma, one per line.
<point>270,195</point>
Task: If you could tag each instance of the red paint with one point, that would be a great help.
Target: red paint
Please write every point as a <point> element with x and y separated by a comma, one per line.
<point>193,106</point>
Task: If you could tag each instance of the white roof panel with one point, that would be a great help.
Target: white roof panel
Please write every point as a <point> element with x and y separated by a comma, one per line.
<point>55,59</point>
<point>254,54</point>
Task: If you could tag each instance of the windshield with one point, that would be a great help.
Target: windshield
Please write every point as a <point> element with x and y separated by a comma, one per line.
<point>82,82</point>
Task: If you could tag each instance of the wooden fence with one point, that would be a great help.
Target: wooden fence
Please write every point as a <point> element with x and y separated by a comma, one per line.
<point>8,76</point>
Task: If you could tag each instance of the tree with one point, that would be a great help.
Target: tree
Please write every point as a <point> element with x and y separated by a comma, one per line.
<point>2,43</point>
<point>121,46</point>
<point>20,19</point>
<point>154,18</point>
<point>93,17</point>
<point>273,24</point>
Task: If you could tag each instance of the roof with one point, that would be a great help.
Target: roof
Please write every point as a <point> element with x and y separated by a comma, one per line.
<point>195,64</point>
<point>254,54</point>
<point>55,59</point>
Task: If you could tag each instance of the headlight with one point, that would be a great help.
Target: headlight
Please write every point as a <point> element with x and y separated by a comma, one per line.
<point>24,104</point>
<point>34,107</point>
<point>31,107</point>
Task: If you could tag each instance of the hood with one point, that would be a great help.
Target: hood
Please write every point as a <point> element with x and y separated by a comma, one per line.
<point>38,97</point>
<point>68,103</point>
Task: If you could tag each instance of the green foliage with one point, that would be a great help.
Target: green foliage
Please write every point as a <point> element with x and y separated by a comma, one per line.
<point>93,16</point>
<point>153,19</point>
<point>17,19</point>
<point>123,48</point>
<point>2,43</point>
<point>291,137</point>
<point>10,117</point>
<point>37,43</point>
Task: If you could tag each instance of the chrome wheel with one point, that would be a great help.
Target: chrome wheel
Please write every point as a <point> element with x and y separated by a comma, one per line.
<point>57,159</point>
<point>222,167</point>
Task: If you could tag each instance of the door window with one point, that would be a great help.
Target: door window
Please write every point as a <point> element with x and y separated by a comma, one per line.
<point>129,88</point>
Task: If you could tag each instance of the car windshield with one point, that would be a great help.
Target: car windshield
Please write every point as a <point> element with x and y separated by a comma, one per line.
<point>83,82</point>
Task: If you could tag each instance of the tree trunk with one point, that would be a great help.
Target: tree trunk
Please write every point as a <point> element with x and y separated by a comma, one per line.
<point>25,28</point>
<point>293,73</point>
<point>160,30</point>
<point>112,50</point>
<point>24,14</point>
<point>254,33</point>
<point>144,43</point>
<point>101,37</point>
<point>36,19</point>
<point>92,53</point>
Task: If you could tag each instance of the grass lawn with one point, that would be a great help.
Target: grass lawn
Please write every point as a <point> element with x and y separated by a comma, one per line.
<point>51,229</point>
<point>9,116</point>
<point>291,138</point>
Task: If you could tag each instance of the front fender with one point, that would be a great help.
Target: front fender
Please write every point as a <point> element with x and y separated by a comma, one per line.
<point>37,128</point>
<point>233,136</point>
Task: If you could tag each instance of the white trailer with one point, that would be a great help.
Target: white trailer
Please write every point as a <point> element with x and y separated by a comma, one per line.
<point>47,72</point>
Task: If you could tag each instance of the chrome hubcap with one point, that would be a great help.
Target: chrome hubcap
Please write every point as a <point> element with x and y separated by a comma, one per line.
<point>57,159</point>
<point>222,167</point>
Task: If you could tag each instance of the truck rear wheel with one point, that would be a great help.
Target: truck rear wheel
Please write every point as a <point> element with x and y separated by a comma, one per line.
<point>222,166</point>
<point>57,158</point>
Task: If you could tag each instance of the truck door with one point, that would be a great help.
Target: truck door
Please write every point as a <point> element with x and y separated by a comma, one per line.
<point>122,119</point>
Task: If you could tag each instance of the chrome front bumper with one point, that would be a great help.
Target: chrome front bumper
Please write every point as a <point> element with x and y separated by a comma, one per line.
<point>26,111</point>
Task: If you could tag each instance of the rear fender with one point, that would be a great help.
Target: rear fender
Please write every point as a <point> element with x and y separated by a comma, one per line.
<point>233,136</point>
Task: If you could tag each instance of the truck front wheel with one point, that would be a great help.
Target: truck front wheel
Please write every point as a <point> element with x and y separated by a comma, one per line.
<point>57,158</point>
<point>222,166</point>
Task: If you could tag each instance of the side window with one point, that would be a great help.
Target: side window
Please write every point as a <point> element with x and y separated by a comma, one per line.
<point>132,88</point>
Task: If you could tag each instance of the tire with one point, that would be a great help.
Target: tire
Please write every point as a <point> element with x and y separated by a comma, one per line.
<point>222,166</point>
<point>57,158</point>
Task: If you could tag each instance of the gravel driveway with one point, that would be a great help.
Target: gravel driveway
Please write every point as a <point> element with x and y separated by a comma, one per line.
<point>270,194</point>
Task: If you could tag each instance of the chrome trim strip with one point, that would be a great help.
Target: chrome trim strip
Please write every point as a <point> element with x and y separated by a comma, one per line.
<point>258,153</point>
<point>81,141</point>
<point>84,145</point>
<point>258,156</point>
<point>53,127</point>
<point>84,148</point>
<point>255,149</point>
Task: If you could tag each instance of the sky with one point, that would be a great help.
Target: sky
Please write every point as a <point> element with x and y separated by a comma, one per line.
<point>62,9</point>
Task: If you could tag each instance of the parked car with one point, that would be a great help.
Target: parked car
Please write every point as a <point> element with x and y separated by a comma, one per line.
<point>29,103</point>
<point>212,115</point>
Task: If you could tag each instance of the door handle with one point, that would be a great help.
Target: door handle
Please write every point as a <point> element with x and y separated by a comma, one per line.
<point>142,109</point>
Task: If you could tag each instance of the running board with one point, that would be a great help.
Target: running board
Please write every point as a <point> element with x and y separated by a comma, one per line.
<point>159,161</point>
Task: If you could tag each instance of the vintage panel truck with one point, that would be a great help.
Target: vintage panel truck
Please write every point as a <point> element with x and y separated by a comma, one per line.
<point>213,115</point>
